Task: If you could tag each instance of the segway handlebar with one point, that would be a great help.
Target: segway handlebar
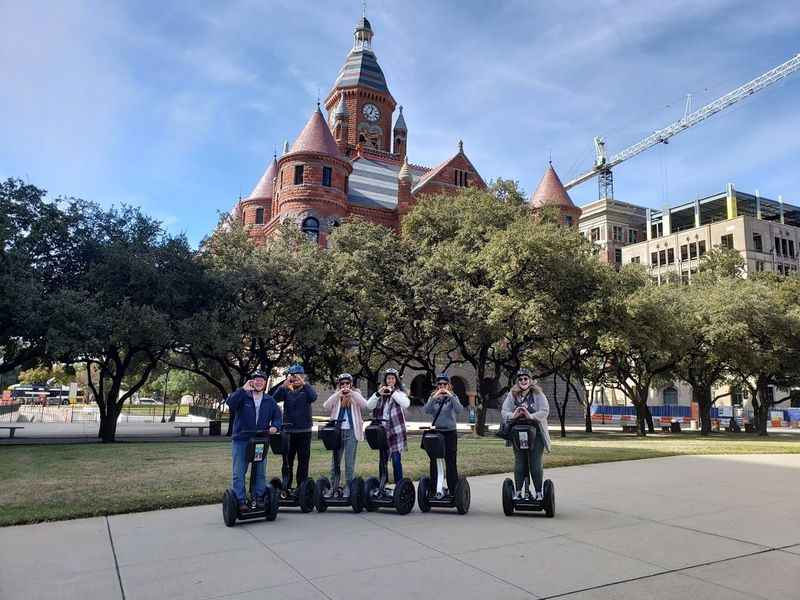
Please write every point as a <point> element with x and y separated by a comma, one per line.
<point>287,428</point>
<point>259,433</point>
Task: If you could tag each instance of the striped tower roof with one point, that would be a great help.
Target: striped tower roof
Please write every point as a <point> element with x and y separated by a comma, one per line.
<point>361,68</point>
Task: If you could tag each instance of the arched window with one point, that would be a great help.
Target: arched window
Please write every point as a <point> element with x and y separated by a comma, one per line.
<point>670,395</point>
<point>421,388</point>
<point>310,227</point>
<point>259,216</point>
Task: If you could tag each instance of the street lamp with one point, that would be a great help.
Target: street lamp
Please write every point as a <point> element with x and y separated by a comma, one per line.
<point>164,399</point>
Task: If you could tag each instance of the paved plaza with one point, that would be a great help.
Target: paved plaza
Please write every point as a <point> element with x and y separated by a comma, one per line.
<point>700,527</point>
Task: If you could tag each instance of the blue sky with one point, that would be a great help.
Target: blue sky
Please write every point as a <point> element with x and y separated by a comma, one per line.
<point>176,106</point>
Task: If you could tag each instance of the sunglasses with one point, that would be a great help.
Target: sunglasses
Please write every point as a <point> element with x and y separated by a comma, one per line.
<point>441,384</point>
<point>523,378</point>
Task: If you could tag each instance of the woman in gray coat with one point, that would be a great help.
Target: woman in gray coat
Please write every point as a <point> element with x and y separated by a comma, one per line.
<point>526,401</point>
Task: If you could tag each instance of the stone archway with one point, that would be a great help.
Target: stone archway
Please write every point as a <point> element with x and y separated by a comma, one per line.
<point>460,389</point>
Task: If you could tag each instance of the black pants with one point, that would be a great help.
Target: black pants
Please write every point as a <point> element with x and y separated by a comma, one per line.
<point>300,446</point>
<point>451,469</point>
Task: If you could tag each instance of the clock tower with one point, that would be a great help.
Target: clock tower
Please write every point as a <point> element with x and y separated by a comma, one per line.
<point>365,98</point>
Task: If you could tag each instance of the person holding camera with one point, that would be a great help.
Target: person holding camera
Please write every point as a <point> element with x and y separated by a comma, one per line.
<point>345,406</point>
<point>297,397</point>
<point>388,403</point>
<point>526,402</point>
<point>253,410</point>
<point>444,403</point>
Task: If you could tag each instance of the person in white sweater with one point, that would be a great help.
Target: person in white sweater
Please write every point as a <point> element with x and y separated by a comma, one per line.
<point>345,406</point>
<point>388,403</point>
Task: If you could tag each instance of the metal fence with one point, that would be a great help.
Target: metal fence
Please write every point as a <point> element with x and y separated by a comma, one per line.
<point>17,412</point>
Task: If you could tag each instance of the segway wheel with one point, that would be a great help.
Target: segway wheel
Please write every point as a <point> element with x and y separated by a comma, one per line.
<point>230,508</point>
<point>322,486</point>
<point>272,501</point>
<point>370,485</point>
<point>463,496</point>
<point>508,497</point>
<point>423,488</point>
<point>404,496</point>
<point>357,494</point>
<point>549,493</point>
<point>305,496</point>
<point>276,483</point>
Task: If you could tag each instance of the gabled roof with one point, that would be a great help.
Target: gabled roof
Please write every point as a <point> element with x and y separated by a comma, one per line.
<point>432,173</point>
<point>316,137</point>
<point>550,191</point>
<point>374,183</point>
<point>263,188</point>
<point>361,68</point>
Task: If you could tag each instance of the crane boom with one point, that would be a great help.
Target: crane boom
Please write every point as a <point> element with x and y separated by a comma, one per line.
<point>604,166</point>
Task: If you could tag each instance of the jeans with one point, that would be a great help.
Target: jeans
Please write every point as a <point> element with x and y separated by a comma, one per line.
<point>300,446</point>
<point>528,463</point>
<point>239,449</point>
<point>348,452</point>
<point>451,469</point>
<point>397,466</point>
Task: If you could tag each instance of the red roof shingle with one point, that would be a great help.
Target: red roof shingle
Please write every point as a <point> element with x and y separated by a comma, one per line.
<point>316,137</point>
<point>551,191</point>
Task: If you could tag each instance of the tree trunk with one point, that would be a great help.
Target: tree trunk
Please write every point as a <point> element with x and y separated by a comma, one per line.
<point>480,416</point>
<point>648,417</point>
<point>562,413</point>
<point>108,423</point>
<point>703,399</point>
<point>762,416</point>
<point>588,414</point>
<point>641,419</point>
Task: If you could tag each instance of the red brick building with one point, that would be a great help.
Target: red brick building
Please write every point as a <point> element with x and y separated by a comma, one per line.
<point>353,163</point>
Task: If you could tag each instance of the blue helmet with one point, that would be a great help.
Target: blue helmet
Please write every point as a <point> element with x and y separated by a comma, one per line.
<point>296,369</point>
<point>259,373</point>
<point>443,377</point>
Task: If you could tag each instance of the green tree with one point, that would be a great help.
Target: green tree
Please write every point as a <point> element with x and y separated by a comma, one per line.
<point>450,235</point>
<point>35,255</point>
<point>43,373</point>
<point>645,339</point>
<point>758,329</point>
<point>129,283</point>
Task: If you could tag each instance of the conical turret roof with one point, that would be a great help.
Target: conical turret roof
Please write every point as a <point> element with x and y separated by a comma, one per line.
<point>316,137</point>
<point>263,188</point>
<point>551,191</point>
<point>400,124</point>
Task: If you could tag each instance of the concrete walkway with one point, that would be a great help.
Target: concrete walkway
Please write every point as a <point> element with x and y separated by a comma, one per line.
<point>698,527</point>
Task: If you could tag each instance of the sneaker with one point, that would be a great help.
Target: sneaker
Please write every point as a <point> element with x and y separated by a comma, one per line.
<point>539,496</point>
<point>519,495</point>
<point>346,492</point>
<point>260,504</point>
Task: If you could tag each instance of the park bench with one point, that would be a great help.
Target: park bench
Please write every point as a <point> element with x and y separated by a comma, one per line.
<point>629,428</point>
<point>12,429</point>
<point>184,426</point>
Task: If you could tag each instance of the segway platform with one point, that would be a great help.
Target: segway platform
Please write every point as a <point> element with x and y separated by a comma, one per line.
<point>331,494</point>
<point>377,494</point>
<point>302,496</point>
<point>433,494</point>
<point>268,508</point>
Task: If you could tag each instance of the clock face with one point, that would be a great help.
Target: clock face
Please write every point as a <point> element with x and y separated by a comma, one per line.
<point>371,112</point>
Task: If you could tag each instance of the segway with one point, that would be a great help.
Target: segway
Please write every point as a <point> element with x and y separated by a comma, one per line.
<point>256,453</point>
<point>301,496</point>
<point>377,494</point>
<point>523,435</point>
<point>330,493</point>
<point>440,497</point>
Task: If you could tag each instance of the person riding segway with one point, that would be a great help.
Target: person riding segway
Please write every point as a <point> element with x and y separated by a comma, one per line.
<point>341,436</point>
<point>524,412</point>
<point>295,440</point>
<point>440,443</point>
<point>256,417</point>
<point>387,434</point>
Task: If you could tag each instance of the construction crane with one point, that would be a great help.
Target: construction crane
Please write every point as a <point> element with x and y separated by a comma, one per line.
<point>602,166</point>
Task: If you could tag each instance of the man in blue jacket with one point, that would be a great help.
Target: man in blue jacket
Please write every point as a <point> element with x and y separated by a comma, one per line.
<point>254,410</point>
<point>297,397</point>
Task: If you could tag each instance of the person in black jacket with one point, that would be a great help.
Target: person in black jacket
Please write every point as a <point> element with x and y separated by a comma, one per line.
<point>254,410</point>
<point>297,397</point>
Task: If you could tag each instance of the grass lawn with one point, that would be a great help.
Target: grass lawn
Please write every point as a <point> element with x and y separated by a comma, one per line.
<point>50,482</point>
